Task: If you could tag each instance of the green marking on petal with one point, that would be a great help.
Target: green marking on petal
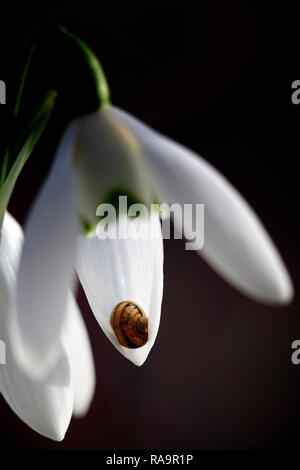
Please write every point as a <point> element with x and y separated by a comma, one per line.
<point>113,199</point>
<point>156,203</point>
<point>155,200</point>
<point>87,226</point>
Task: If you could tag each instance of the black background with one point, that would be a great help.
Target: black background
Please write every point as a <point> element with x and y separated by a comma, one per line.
<point>215,76</point>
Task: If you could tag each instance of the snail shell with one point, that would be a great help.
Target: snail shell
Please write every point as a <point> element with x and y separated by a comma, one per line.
<point>130,324</point>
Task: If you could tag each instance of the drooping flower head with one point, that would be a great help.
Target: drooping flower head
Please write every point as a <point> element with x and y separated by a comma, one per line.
<point>104,156</point>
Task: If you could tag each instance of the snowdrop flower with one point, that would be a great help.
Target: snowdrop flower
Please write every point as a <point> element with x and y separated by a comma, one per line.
<point>46,406</point>
<point>101,156</point>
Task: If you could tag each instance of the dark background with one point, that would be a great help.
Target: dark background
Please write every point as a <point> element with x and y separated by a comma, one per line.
<point>215,76</point>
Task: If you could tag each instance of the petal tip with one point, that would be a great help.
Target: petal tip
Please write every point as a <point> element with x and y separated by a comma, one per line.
<point>286,292</point>
<point>279,291</point>
<point>138,361</point>
<point>57,433</point>
<point>81,406</point>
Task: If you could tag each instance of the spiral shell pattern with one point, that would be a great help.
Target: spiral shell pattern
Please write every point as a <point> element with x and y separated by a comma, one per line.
<point>130,324</point>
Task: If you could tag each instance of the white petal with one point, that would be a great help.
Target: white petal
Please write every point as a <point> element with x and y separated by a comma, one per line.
<point>11,242</point>
<point>107,160</point>
<point>236,244</point>
<point>46,406</point>
<point>112,271</point>
<point>46,267</point>
<point>77,343</point>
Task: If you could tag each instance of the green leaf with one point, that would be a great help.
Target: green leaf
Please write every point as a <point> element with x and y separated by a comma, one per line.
<point>21,149</point>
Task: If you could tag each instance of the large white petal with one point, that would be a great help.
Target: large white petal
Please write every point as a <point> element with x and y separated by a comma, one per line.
<point>46,267</point>
<point>45,406</point>
<point>77,343</point>
<point>112,271</point>
<point>236,243</point>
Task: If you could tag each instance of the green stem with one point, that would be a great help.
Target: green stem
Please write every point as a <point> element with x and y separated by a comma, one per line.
<point>23,79</point>
<point>91,64</point>
<point>21,142</point>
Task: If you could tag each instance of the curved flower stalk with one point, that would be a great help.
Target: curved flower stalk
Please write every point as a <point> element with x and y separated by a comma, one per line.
<point>47,405</point>
<point>101,156</point>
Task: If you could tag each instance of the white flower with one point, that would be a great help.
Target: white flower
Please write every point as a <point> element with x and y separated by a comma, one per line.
<point>110,151</point>
<point>46,405</point>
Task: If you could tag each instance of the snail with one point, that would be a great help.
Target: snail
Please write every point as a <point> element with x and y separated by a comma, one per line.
<point>130,324</point>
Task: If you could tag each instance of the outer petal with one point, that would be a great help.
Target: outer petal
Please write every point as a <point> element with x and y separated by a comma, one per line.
<point>46,267</point>
<point>236,244</point>
<point>112,271</point>
<point>77,343</point>
<point>46,406</point>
